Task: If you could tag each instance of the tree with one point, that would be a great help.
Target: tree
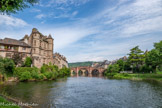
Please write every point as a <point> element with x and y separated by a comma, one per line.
<point>9,65</point>
<point>136,58</point>
<point>158,47</point>
<point>2,69</point>
<point>121,64</point>
<point>154,57</point>
<point>28,62</point>
<point>12,6</point>
<point>113,68</point>
<point>127,65</point>
<point>17,58</point>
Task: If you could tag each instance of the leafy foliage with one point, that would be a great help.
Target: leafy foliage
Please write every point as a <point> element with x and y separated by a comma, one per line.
<point>64,72</point>
<point>136,58</point>
<point>28,62</point>
<point>6,65</point>
<point>17,58</point>
<point>46,72</point>
<point>121,64</point>
<point>25,76</point>
<point>12,6</point>
<point>138,61</point>
<point>2,100</point>
<point>25,73</point>
<point>113,68</point>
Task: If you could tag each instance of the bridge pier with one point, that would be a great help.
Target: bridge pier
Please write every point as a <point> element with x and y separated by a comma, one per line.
<point>84,69</point>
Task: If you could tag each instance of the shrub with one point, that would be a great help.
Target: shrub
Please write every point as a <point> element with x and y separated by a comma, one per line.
<point>6,65</point>
<point>64,71</point>
<point>41,77</point>
<point>48,75</point>
<point>50,71</point>
<point>28,62</point>
<point>34,72</point>
<point>25,76</point>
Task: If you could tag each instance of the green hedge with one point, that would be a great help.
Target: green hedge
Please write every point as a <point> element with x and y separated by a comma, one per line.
<point>46,72</point>
<point>26,73</point>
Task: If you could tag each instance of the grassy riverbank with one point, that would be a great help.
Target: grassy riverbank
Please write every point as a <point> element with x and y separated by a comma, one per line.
<point>6,104</point>
<point>136,76</point>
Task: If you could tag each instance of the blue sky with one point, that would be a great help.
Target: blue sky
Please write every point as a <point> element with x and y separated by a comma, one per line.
<point>90,30</point>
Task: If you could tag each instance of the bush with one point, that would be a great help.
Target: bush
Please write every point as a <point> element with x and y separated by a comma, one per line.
<point>48,75</point>
<point>25,76</point>
<point>6,65</point>
<point>28,62</point>
<point>47,72</point>
<point>34,72</point>
<point>41,77</point>
<point>64,72</point>
<point>50,71</point>
<point>113,68</point>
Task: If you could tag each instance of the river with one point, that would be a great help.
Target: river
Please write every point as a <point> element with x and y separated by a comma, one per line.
<point>87,92</point>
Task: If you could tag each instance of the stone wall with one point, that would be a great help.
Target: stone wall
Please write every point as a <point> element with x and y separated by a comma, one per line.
<point>59,60</point>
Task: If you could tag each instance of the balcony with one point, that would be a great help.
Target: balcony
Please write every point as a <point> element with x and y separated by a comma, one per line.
<point>8,48</point>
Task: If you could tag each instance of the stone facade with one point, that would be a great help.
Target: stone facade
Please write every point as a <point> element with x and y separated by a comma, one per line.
<point>36,46</point>
<point>60,60</point>
<point>103,64</point>
<point>41,47</point>
<point>10,46</point>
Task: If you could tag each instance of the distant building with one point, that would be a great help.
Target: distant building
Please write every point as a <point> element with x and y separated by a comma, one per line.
<point>103,64</point>
<point>114,61</point>
<point>60,60</point>
<point>37,46</point>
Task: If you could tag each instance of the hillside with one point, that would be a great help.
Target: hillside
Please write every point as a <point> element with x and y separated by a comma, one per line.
<point>88,63</point>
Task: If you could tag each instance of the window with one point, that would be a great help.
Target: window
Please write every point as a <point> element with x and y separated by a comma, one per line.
<point>1,47</point>
<point>34,51</point>
<point>8,55</point>
<point>34,42</point>
<point>16,48</point>
<point>23,55</point>
<point>24,48</point>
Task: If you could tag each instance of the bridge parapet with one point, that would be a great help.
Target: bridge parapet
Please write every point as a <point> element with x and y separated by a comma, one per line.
<point>87,68</point>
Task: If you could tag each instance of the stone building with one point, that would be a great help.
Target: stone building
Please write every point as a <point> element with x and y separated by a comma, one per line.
<point>60,60</point>
<point>103,64</point>
<point>36,45</point>
<point>41,47</point>
<point>10,46</point>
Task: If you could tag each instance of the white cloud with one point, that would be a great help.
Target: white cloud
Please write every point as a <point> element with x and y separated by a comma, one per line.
<point>58,3</point>
<point>11,21</point>
<point>40,16</point>
<point>67,35</point>
<point>138,17</point>
<point>143,27</point>
<point>35,10</point>
<point>113,30</point>
<point>74,13</point>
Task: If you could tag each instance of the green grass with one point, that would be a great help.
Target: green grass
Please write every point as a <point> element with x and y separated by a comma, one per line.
<point>6,104</point>
<point>136,76</point>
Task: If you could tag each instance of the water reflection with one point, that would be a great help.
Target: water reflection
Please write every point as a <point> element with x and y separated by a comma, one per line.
<point>87,91</point>
<point>87,75</point>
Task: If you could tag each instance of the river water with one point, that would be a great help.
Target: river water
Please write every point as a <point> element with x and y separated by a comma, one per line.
<point>87,92</point>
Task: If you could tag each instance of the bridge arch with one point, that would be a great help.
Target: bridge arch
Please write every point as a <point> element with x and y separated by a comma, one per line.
<point>87,70</point>
<point>95,72</point>
<point>84,70</point>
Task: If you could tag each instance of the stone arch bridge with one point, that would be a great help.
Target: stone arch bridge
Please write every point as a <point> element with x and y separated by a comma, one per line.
<point>87,70</point>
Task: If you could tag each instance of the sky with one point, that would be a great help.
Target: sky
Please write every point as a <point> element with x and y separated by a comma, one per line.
<point>90,30</point>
